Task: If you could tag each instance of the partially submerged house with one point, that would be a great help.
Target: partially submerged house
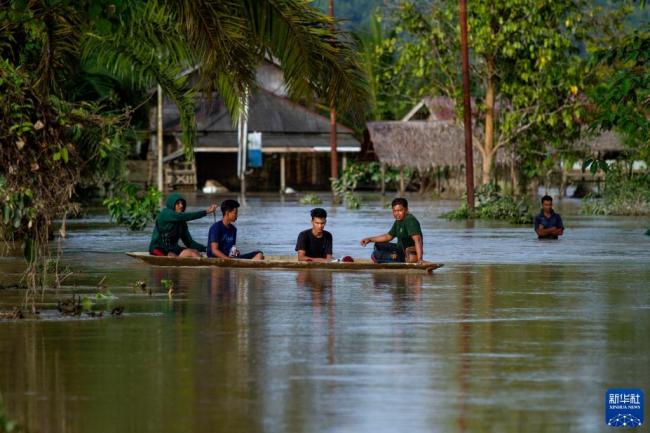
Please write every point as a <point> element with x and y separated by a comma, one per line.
<point>295,141</point>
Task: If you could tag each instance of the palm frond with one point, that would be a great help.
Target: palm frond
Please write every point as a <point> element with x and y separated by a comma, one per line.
<point>314,55</point>
<point>60,43</point>
<point>149,50</point>
<point>219,34</point>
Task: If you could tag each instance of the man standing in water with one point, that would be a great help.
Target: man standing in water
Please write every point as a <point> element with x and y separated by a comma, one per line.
<point>171,226</point>
<point>315,244</point>
<point>548,224</point>
<point>406,229</point>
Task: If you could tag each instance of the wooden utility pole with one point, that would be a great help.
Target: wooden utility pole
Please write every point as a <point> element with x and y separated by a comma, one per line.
<point>467,108</point>
<point>334,162</point>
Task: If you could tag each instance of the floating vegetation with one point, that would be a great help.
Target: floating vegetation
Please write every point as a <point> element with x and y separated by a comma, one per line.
<point>76,305</point>
<point>169,286</point>
<point>71,306</point>
<point>311,199</point>
<point>141,286</point>
<point>15,314</point>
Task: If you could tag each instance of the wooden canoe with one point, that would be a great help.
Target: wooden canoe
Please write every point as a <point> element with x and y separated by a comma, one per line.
<point>283,262</point>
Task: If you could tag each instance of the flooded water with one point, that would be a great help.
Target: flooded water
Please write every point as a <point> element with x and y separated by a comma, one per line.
<point>512,335</point>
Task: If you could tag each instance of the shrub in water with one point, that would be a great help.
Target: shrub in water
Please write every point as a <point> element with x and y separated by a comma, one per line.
<point>134,209</point>
<point>625,193</point>
<point>310,199</point>
<point>491,204</point>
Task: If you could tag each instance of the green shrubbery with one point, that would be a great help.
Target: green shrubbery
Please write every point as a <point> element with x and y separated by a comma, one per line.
<point>625,193</point>
<point>361,172</point>
<point>491,204</point>
<point>310,199</point>
<point>134,209</point>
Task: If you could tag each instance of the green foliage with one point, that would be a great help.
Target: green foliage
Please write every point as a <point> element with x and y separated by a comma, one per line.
<point>647,233</point>
<point>344,186</point>
<point>362,172</point>
<point>622,99</point>
<point>593,165</point>
<point>310,199</point>
<point>134,208</point>
<point>147,49</point>
<point>625,193</point>
<point>230,38</point>
<point>167,284</point>
<point>492,205</point>
<point>15,209</point>
<point>533,64</point>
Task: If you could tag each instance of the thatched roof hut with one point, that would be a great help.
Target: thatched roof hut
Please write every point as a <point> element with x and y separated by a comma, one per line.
<point>421,144</point>
<point>607,142</point>
<point>418,144</point>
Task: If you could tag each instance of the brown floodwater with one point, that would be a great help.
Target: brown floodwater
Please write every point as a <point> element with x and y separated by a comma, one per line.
<point>512,335</point>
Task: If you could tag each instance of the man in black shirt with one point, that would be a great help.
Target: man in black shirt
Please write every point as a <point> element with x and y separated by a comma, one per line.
<point>315,244</point>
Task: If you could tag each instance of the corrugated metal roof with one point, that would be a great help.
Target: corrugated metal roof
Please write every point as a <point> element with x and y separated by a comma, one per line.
<point>267,113</point>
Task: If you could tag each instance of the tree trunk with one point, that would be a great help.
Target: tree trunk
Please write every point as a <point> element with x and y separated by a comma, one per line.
<point>514,175</point>
<point>489,151</point>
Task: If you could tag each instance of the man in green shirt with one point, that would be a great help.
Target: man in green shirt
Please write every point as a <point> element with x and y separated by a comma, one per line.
<point>171,227</point>
<point>406,229</point>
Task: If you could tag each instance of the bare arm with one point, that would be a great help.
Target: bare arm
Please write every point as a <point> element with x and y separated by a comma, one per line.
<point>419,247</point>
<point>303,257</point>
<point>554,231</point>
<point>381,238</point>
<point>214,247</point>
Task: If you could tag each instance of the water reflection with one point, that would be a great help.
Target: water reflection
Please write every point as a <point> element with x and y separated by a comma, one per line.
<point>527,346</point>
<point>319,285</point>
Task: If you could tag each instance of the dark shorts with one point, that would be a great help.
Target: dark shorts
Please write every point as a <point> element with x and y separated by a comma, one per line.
<point>387,252</point>
<point>247,256</point>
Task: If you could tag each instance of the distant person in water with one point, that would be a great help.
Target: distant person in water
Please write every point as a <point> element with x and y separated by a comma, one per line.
<point>548,224</point>
<point>171,226</point>
<point>406,229</point>
<point>222,238</point>
<point>315,244</point>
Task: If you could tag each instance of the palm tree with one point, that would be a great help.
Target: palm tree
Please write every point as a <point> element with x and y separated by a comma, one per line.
<point>227,40</point>
<point>232,37</point>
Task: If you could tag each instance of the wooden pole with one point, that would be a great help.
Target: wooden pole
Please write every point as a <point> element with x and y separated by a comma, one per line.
<point>283,174</point>
<point>383,179</point>
<point>242,129</point>
<point>159,138</point>
<point>402,183</point>
<point>467,108</point>
<point>334,163</point>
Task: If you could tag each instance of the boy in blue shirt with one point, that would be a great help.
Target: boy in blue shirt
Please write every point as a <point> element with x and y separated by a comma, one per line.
<point>222,238</point>
<point>548,224</point>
